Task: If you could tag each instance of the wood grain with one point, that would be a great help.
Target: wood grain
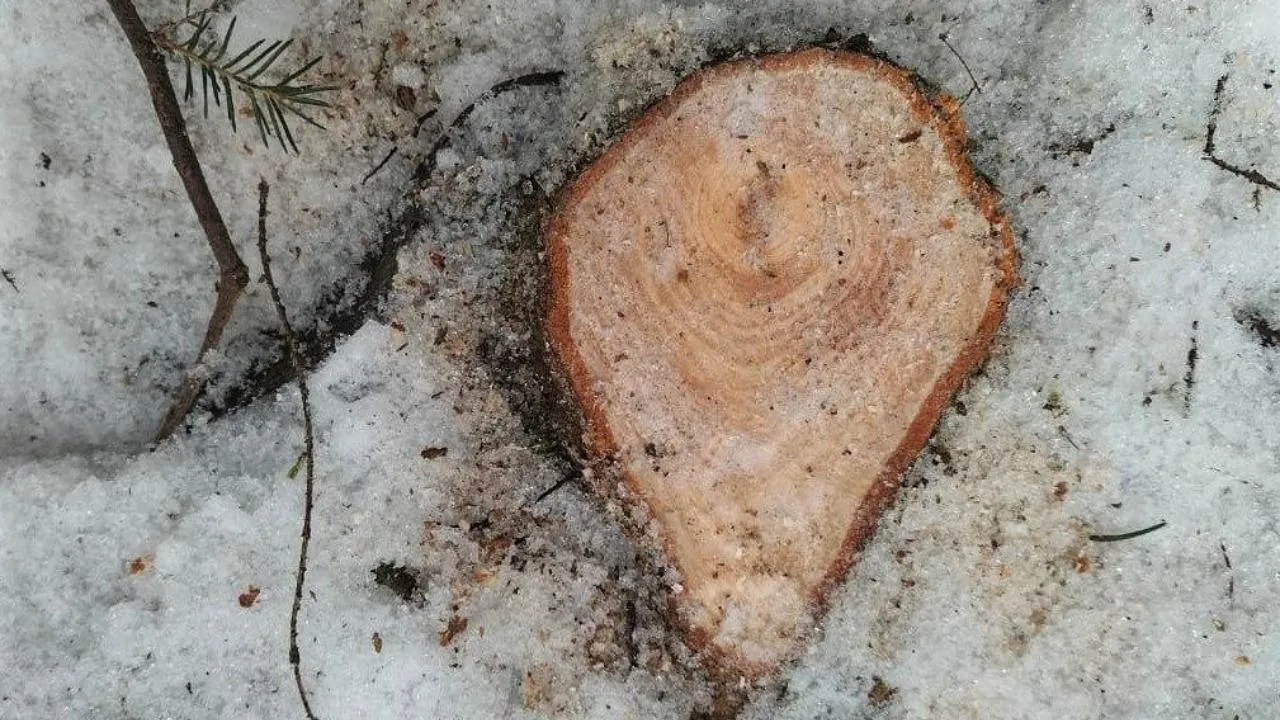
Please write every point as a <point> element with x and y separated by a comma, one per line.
<point>763,297</point>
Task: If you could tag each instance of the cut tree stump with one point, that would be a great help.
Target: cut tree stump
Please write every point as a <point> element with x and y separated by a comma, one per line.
<point>763,297</point>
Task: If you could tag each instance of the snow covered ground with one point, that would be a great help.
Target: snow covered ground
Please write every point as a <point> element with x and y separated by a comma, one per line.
<point>1136,380</point>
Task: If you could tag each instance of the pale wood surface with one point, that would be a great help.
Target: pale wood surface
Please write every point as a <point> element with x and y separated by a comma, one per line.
<point>764,296</point>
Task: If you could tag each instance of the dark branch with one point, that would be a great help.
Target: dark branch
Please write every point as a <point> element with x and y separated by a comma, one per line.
<point>1210,149</point>
<point>379,166</point>
<point>308,453</point>
<point>1249,174</point>
<point>1214,109</point>
<point>946,41</point>
<point>556,486</point>
<point>534,79</point>
<point>233,276</point>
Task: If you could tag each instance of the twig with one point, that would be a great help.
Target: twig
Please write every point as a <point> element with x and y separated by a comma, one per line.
<point>192,16</point>
<point>295,359</point>
<point>1067,436</point>
<point>422,120</point>
<point>1189,377</point>
<point>379,166</point>
<point>1128,535</point>
<point>1231,579</point>
<point>556,486</point>
<point>1249,174</point>
<point>233,275</point>
<point>533,79</point>
<point>944,37</point>
<point>1210,154</point>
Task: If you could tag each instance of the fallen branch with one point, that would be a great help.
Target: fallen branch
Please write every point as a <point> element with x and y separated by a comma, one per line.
<point>308,454</point>
<point>233,275</point>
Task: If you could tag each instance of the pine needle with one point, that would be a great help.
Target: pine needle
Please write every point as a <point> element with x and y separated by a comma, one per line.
<point>272,102</point>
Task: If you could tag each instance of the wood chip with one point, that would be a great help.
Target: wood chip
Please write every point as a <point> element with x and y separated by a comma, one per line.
<point>457,625</point>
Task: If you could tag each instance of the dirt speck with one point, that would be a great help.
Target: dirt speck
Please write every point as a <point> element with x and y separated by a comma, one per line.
<point>881,692</point>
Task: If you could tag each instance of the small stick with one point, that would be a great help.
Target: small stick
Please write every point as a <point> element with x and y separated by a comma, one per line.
<point>944,38</point>
<point>233,275</point>
<point>379,166</point>
<point>295,359</point>
<point>1128,535</point>
<point>558,484</point>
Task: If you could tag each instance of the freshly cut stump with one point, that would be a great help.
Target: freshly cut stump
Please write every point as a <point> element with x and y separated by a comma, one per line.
<point>763,297</point>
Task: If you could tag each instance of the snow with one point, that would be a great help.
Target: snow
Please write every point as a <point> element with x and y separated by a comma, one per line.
<point>980,594</point>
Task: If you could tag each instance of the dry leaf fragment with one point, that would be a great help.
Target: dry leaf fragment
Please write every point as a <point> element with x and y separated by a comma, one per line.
<point>406,98</point>
<point>457,625</point>
<point>1082,563</point>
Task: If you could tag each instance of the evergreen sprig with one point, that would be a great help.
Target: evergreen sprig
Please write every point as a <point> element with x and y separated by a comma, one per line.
<point>271,101</point>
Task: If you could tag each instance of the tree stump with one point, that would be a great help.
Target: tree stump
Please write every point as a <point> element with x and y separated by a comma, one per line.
<point>763,297</point>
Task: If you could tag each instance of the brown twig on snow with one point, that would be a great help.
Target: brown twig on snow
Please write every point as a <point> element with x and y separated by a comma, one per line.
<point>295,359</point>
<point>233,275</point>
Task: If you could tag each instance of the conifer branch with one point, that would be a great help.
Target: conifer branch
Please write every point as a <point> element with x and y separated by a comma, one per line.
<point>272,102</point>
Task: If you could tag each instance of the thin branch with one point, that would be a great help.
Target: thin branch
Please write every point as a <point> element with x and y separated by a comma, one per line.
<point>233,276</point>
<point>295,359</point>
<point>556,486</point>
<point>1249,174</point>
<point>945,38</point>
<point>193,16</point>
<point>379,166</point>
